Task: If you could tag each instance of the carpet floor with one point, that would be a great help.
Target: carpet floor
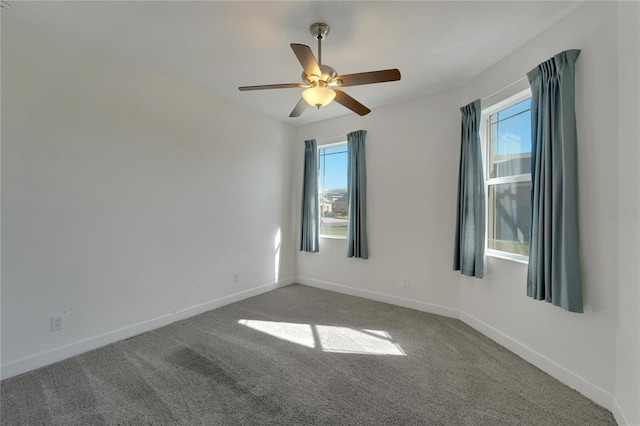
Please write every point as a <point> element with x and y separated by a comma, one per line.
<point>298,356</point>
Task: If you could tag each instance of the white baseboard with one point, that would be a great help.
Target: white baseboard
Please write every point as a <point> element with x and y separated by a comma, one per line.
<point>431,308</point>
<point>42,359</point>
<point>563,374</point>
<point>619,415</point>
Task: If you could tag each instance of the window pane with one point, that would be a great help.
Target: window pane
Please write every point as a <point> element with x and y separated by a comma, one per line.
<point>510,138</point>
<point>514,109</point>
<point>332,188</point>
<point>509,217</point>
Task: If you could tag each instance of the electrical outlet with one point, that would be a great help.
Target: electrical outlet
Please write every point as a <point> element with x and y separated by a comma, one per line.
<point>405,283</point>
<point>57,323</point>
<point>236,278</point>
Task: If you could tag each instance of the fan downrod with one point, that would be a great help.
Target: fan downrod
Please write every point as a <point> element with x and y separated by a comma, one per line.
<point>319,31</point>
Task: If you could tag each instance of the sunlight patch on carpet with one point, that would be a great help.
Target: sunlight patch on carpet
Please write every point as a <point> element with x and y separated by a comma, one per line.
<point>300,334</point>
<point>329,338</point>
<point>348,340</point>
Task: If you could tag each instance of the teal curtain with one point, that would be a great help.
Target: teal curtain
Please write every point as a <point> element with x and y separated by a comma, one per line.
<point>357,194</point>
<point>468,256</point>
<point>309,217</point>
<point>554,267</point>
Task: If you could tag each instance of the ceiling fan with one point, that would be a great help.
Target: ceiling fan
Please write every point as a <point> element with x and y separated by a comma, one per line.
<point>319,80</point>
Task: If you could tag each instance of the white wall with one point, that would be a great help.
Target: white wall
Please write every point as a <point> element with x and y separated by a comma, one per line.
<point>627,379</point>
<point>579,348</point>
<point>412,160</point>
<point>412,154</point>
<point>129,200</point>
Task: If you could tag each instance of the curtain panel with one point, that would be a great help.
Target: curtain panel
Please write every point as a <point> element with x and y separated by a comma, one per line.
<point>309,217</point>
<point>357,193</point>
<point>468,256</point>
<point>554,267</point>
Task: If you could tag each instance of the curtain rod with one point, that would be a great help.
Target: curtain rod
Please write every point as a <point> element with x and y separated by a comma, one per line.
<point>503,89</point>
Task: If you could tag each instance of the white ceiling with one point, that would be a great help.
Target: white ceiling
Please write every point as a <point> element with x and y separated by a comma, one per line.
<point>218,46</point>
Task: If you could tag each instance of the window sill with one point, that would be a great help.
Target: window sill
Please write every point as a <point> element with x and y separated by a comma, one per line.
<point>508,256</point>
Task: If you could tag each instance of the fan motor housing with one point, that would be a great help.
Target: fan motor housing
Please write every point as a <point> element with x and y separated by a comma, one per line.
<point>328,74</point>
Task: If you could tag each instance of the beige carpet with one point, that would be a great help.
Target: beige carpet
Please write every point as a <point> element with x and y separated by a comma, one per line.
<point>299,356</point>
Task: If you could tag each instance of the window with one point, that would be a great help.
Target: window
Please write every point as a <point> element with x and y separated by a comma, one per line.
<point>332,190</point>
<point>506,134</point>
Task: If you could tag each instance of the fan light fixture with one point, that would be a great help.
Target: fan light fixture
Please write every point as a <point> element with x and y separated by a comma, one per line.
<point>318,96</point>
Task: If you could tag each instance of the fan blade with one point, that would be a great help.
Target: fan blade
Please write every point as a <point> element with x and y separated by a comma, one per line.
<point>346,100</point>
<point>306,58</point>
<point>271,86</point>
<point>369,77</point>
<point>299,108</point>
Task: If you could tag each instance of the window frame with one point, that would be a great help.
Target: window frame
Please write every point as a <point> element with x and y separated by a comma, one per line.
<point>484,144</point>
<point>330,143</point>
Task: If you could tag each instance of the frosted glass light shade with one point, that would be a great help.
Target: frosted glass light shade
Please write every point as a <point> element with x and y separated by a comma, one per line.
<point>318,96</point>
